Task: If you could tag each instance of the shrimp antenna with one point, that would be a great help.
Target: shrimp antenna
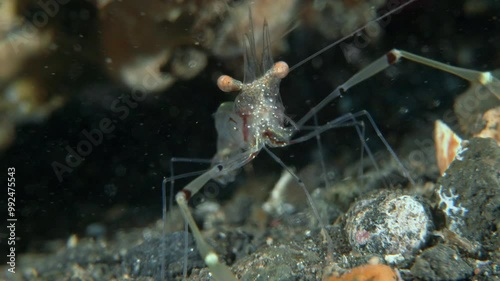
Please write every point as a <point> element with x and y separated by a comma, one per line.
<point>252,67</point>
<point>267,58</point>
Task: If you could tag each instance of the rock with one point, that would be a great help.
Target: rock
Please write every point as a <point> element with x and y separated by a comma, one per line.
<point>469,194</point>
<point>390,224</point>
<point>441,263</point>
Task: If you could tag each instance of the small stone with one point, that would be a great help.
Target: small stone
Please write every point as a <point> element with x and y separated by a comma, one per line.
<point>389,224</point>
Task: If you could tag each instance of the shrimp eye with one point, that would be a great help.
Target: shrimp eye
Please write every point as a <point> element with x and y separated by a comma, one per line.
<point>228,84</point>
<point>280,69</point>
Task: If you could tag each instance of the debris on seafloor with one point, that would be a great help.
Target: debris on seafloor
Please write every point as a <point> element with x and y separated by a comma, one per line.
<point>132,256</point>
<point>292,260</point>
<point>276,204</point>
<point>283,200</point>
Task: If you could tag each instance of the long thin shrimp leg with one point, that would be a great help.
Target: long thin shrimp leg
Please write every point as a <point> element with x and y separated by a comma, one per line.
<point>350,119</point>
<point>309,198</point>
<point>367,72</point>
<point>339,122</point>
<point>217,268</point>
<point>172,179</point>
<point>220,270</point>
<point>475,77</point>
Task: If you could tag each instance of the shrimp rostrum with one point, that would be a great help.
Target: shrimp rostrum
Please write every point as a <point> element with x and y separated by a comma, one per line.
<point>256,121</point>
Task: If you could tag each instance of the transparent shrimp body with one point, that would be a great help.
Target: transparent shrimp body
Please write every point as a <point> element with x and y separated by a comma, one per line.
<point>257,116</point>
<point>255,119</point>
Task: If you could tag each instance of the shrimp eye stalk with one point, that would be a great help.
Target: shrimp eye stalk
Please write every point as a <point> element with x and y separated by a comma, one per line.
<point>229,84</point>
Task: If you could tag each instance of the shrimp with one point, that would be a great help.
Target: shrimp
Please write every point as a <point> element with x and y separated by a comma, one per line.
<point>256,121</point>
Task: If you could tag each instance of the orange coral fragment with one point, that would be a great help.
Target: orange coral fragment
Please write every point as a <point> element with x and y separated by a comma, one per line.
<point>369,272</point>
<point>447,145</point>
